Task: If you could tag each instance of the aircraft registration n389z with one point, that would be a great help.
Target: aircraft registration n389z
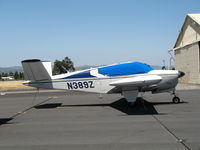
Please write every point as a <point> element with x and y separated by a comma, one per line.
<point>126,78</point>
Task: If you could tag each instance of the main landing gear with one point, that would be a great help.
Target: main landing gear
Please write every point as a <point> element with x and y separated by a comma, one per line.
<point>175,99</point>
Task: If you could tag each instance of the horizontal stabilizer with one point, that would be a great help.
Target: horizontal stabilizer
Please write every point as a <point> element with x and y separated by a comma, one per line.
<point>37,70</point>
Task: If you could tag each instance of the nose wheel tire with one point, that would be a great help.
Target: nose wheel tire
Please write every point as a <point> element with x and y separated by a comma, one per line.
<point>176,100</point>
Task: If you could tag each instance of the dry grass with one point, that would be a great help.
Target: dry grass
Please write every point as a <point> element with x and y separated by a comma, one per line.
<point>13,85</point>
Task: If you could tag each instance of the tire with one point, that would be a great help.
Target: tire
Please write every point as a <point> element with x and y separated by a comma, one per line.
<point>176,100</point>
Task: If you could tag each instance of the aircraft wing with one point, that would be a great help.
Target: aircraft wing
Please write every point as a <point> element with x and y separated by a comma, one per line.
<point>134,83</point>
<point>139,81</point>
<point>129,87</point>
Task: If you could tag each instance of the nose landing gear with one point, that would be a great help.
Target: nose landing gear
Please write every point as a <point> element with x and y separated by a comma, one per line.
<point>175,99</point>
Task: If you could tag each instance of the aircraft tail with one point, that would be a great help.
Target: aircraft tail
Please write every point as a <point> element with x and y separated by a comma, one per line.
<point>37,70</point>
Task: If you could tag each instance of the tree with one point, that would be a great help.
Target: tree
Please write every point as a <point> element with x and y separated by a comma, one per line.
<point>21,75</point>
<point>163,68</point>
<point>10,73</point>
<point>2,74</point>
<point>5,74</point>
<point>63,66</point>
<point>16,75</point>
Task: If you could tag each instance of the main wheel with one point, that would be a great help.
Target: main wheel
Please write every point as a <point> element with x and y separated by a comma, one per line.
<point>176,100</point>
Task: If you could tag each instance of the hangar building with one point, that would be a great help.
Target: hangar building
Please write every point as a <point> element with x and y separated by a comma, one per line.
<point>187,49</point>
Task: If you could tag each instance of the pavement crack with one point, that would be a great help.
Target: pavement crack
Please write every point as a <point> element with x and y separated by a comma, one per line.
<point>29,108</point>
<point>179,140</point>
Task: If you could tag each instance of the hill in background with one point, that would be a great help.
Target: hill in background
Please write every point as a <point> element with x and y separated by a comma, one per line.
<point>11,69</point>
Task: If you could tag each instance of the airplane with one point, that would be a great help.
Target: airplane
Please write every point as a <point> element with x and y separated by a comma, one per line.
<point>7,78</point>
<point>128,78</point>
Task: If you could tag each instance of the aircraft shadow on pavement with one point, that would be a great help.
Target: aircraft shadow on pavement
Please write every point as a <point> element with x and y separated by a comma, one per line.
<point>5,120</point>
<point>141,106</point>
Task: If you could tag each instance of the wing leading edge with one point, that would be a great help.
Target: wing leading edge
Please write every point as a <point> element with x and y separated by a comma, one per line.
<point>138,81</point>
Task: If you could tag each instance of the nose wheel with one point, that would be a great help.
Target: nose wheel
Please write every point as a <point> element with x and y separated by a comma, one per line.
<point>175,99</point>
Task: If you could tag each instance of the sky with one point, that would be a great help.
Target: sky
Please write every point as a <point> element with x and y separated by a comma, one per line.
<point>91,32</point>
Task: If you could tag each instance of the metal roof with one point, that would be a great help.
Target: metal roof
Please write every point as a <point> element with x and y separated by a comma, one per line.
<point>195,17</point>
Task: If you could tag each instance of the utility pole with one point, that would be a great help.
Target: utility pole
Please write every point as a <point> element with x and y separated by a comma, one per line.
<point>171,58</point>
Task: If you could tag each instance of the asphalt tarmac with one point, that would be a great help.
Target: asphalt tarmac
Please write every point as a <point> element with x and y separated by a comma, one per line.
<point>74,120</point>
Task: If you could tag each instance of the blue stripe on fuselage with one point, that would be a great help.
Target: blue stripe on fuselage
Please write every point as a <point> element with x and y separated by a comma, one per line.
<point>85,74</point>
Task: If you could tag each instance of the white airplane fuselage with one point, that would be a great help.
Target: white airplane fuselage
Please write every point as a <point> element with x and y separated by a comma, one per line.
<point>102,84</point>
<point>126,78</point>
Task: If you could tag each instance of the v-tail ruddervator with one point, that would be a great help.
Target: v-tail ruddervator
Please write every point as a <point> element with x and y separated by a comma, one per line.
<point>126,78</point>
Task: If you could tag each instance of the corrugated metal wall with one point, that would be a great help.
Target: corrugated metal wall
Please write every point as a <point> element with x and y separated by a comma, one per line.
<point>187,60</point>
